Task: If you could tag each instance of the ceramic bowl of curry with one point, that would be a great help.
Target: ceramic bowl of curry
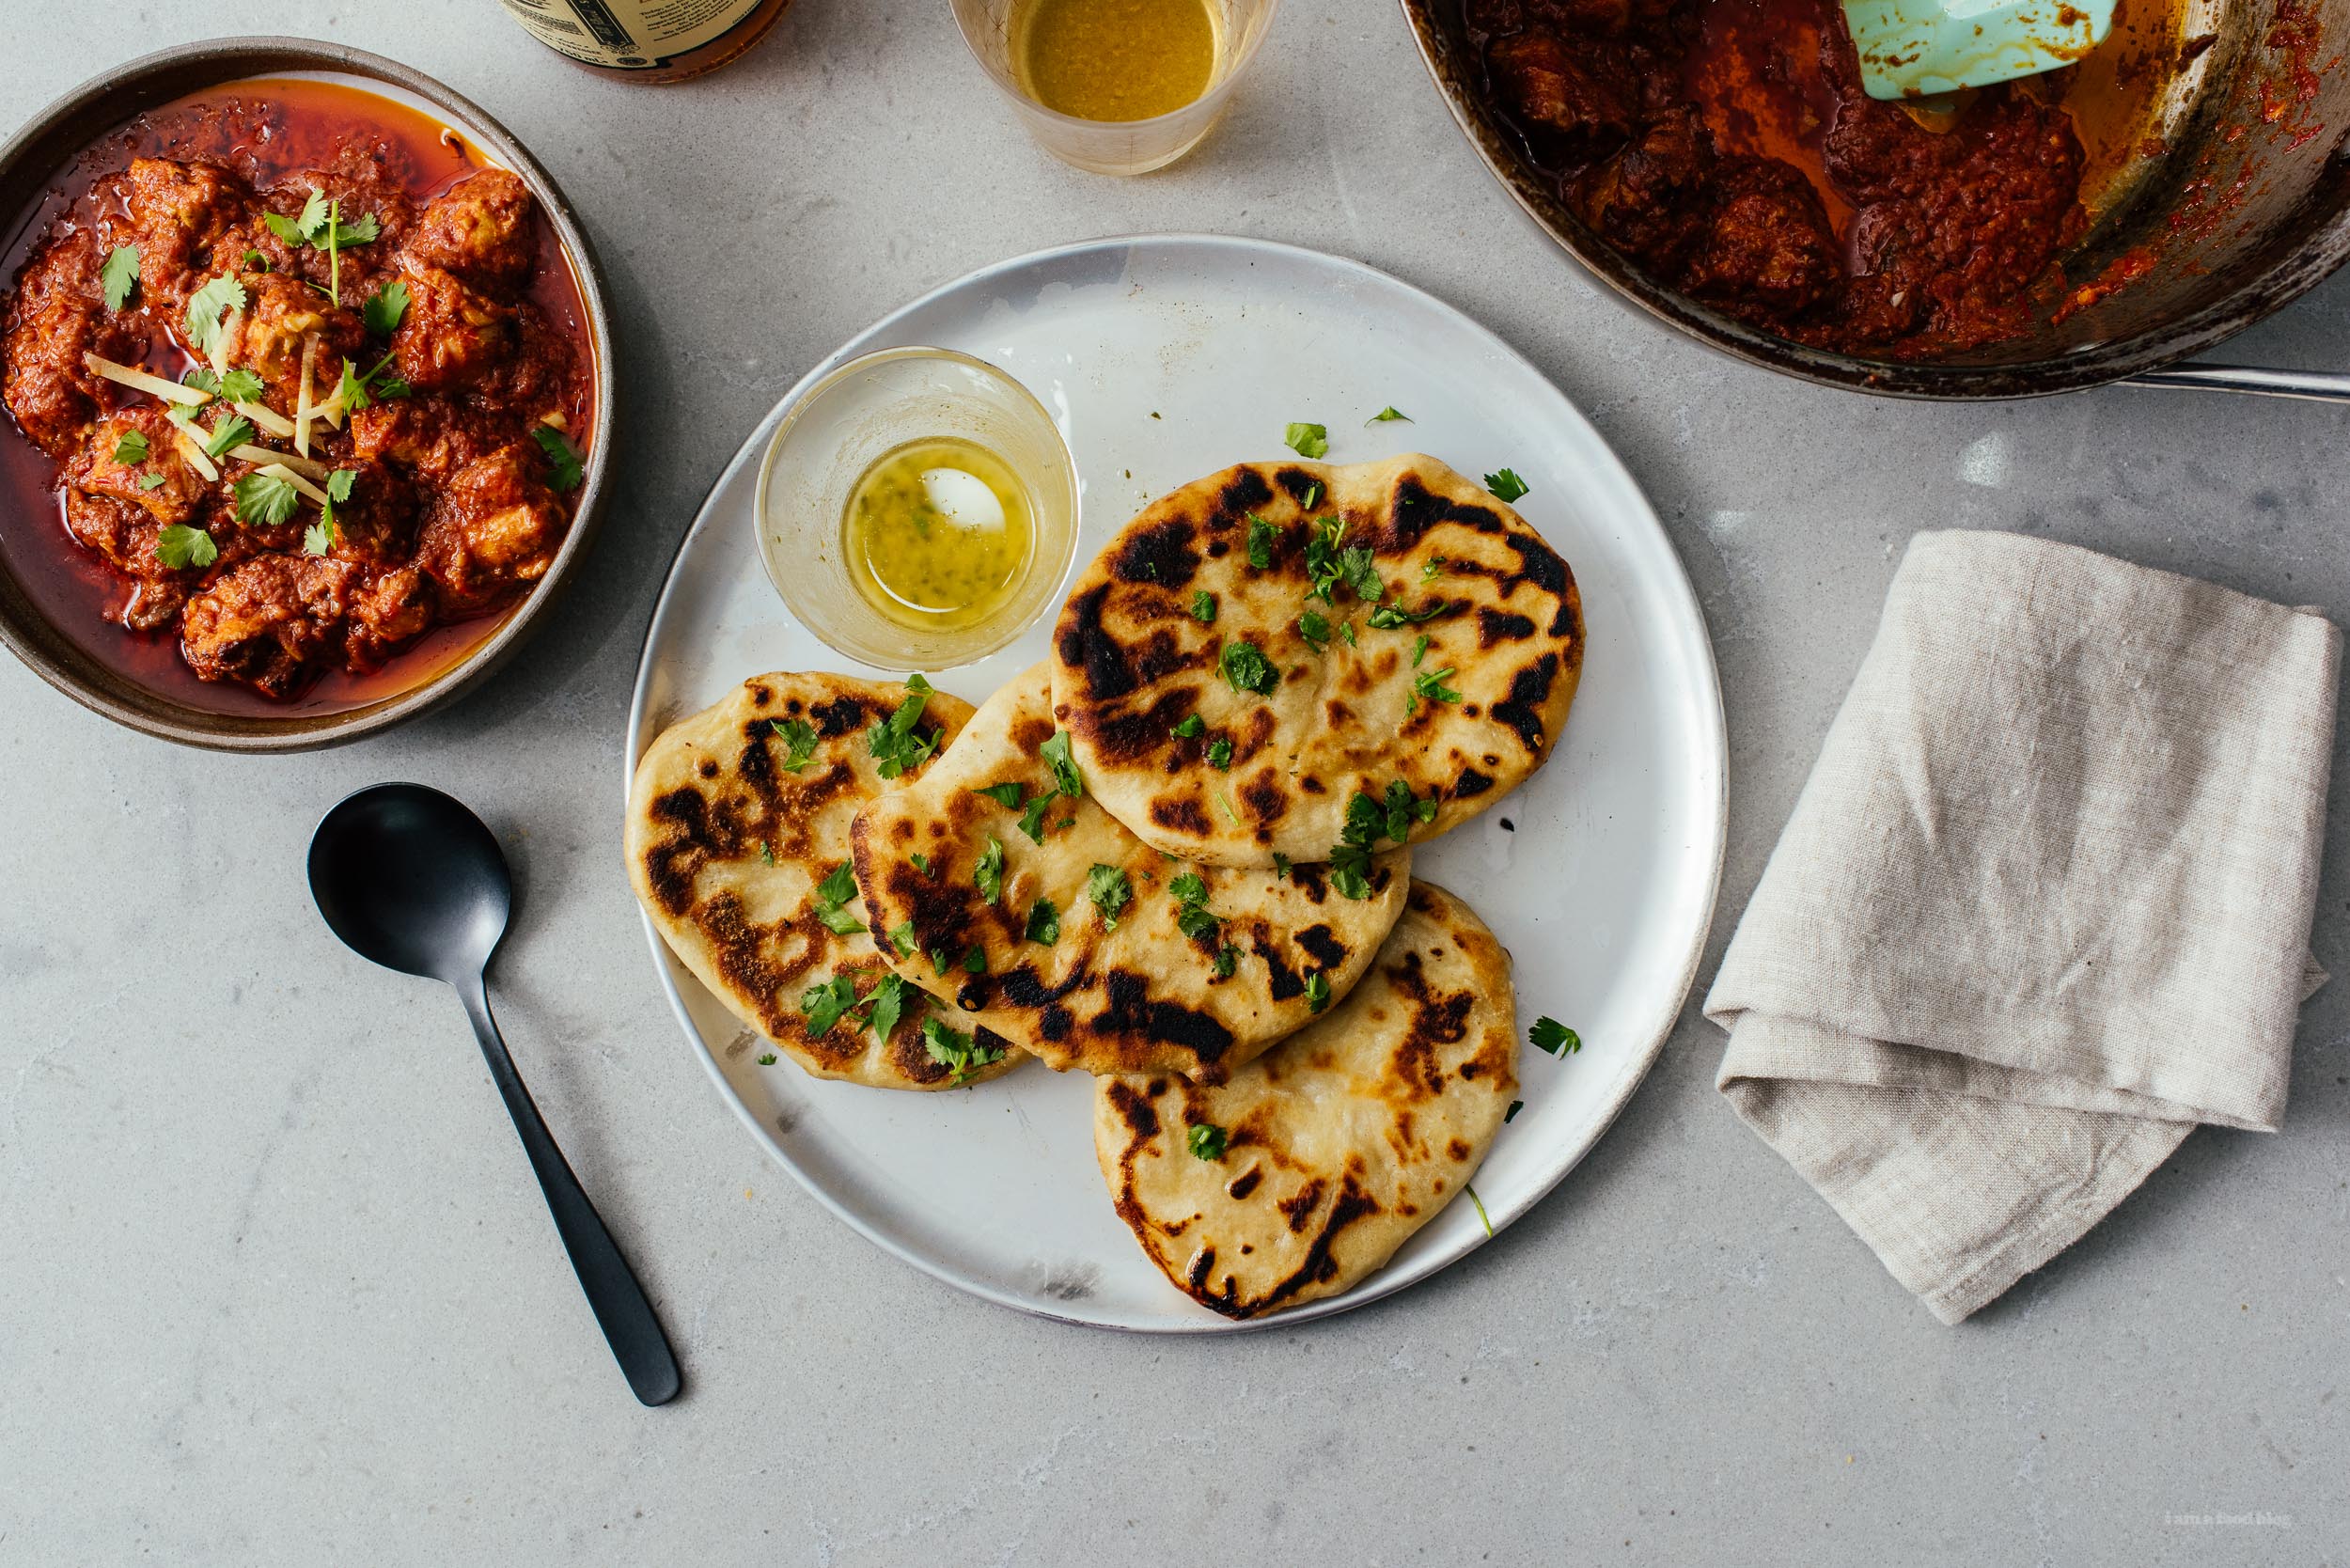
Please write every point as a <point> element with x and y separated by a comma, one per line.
<point>308,387</point>
<point>1716,164</point>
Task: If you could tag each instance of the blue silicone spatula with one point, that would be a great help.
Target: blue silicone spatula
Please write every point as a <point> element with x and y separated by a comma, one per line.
<point>1912,49</point>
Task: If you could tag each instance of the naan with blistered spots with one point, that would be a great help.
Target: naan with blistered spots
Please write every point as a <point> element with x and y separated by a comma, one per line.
<point>738,837</point>
<point>1041,919</point>
<point>1307,1170</point>
<point>1258,648</point>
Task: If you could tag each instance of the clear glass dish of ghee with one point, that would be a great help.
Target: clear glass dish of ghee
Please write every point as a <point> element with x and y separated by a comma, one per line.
<point>918,509</point>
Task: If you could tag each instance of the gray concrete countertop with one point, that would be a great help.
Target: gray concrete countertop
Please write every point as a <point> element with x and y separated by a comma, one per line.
<point>276,1286</point>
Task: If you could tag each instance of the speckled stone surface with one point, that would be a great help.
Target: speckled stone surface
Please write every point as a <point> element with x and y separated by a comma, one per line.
<point>276,1286</point>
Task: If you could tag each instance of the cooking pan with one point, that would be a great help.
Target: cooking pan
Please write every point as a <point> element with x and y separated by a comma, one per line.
<point>2242,202</point>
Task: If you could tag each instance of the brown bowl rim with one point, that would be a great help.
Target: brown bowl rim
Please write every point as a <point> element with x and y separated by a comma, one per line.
<point>113,96</point>
<point>2300,268</point>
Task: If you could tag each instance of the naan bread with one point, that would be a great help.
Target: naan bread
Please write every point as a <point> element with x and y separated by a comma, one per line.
<point>1142,996</point>
<point>728,846</point>
<point>1353,1133</point>
<point>1132,660</point>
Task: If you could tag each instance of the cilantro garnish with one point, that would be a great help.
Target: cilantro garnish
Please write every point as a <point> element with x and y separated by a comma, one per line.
<point>988,875</point>
<point>1192,915</point>
<point>939,964</point>
<point>207,306</point>
<point>180,545</point>
<point>1313,494</point>
<point>264,500</point>
<point>1512,1114</point>
<point>1429,686</point>
<point>950,1047</point>
<point>1206,1140</point>
<point>1203,608</point>
<point>235,431</point>
<point>832,896</point>
<point>1420,649</point>
<point>1307,441</point>
<point>305,229</point>
<point>1280,866</point>
<point>319,538</point>
<point>119,275</point>
<point>151,481</point>
<point>1006,795</point>
<point>1505,485</point>
<point>1109,892</point>
<point>384,309</point>
<point>1032,817</point>
<point>1482,1219</point>
<point>1361,569</point>
<point>824,1005</point>
<point>1387,617</point>
<point>1043,926</point>
<point>1432,569</point>
<point>357,391</point>
<point>1322,558</point>
<point>564,471</point>
<point>256,262</point>
<point>1192,725</point>
<point>1315,628</point>
<point>1221,752</point>
<point>767,1059</point>
<point>896,745</point>
<point>130,449</point>
<point>1367,822</point>
<point>975,960</point>
<point>1226,959</point>
<point>921,861</point>
<point>1246,667</point>
<point>1317,992</point>
<point>902,938</point>
<point>888,1001</point>
<point>240,387</point>
<point>799,742</point>
<point>766,852</point>
<point>1066,778</point>
<point>1387,416</point>
<point>1260,537</point>
<point>1548,1034</point>
<point>203,378</point>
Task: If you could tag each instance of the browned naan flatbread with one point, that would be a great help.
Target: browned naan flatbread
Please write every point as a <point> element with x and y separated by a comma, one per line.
<point>730,838</point>
<point>1337,1143</point>
<point>1460,722</point>
<point>1126,991</point>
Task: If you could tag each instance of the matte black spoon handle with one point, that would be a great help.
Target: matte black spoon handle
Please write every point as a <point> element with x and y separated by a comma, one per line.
<point>618,1301</point>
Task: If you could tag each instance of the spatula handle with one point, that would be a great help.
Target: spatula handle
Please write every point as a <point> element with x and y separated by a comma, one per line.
<point>2326,387</point>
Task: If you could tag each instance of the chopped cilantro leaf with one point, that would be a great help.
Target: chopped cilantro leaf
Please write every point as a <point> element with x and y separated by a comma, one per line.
<point>889,1002</point>
<point>1389,415</point>
<point>832,895</point>
<point>1315,628</point>
<point>119,277</point>
<point>1317,992</point>
<point>902,938</point>
<point>988,875</point>
<point>1313,494</point>
<point>1360,569</point>
<point>366,232</point>
<point>564,471</point>
<point>1203,608</point>
<point>1432,569</point>
<point>130,449</point>
<point>180,545</point>
<point>1307,441</point>
<point>1512,1114</point>
<point>1226,959</point>
<point>939,963</point>
<point>1322,558</point>
<point>1420,649</point>
<point>1006,795</point>
<point>1066,778</point>
<point>950,1047</point>
<point>1280,866</point>
<point>264,500</point>
<point>383,310</point>
<point>338,484</point>
<point>1192,725</point>
<point>895,746</point>
<point>975,960</point>
<point>1387,617</point>
<point>839,921</point>
<point>799,742</point>
<point>203,378</point>
<point>206,306</point>
<point>1429,686</point>
<point>1246,667</point>
<point>235,431</point>
<point>822,1005</point>
<point>1109,892</point>
<point>921,861</point>
<point>1221,752</point>
<point>1043,926</point>
<point>1206,1140</point>
<point>838,887</point>
<point>767,1059</point>
<point>319,538</point>
<point>1505,485</point>
<point>1260,537</point>
<point>151,481</point>
<point>1032,819</point>
<point>766,852</point>
<point>1346,630</point>
<point>1548,1034</point>
<point>240,387</point>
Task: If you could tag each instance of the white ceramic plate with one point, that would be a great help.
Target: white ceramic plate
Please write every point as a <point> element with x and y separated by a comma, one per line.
<point>1164,358</point>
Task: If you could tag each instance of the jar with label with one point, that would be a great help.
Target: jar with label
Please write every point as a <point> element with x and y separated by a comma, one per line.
<point>648,40</point>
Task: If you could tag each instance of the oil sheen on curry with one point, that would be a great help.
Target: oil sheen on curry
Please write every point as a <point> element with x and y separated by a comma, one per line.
<point>298,386</point>
<point>1726,148</point>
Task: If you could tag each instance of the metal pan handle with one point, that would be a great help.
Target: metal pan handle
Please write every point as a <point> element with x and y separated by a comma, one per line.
<point>2325,386</point>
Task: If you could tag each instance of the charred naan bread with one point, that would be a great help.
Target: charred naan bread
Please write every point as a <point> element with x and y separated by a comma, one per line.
<point>737,841</point>
<point>1246,657</point>
<point>1308,1170</point>
<point>1047,922</point>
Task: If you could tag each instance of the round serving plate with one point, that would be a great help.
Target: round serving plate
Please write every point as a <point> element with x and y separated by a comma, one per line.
<point>30,162</point>
<point>1164,358</point>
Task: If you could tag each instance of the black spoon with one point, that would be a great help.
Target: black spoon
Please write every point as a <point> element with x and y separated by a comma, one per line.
<point>408,877</point>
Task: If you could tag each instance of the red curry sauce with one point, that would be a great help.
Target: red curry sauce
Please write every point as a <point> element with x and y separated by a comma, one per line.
<point>457,503</point>
<point>1727,147</point>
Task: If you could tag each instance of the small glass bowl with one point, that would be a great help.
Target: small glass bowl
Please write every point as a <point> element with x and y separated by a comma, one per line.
<point>1119,146</point>
<point>852,416</point>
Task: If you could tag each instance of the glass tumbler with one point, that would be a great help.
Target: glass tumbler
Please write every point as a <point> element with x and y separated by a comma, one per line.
<point>1128,146</point>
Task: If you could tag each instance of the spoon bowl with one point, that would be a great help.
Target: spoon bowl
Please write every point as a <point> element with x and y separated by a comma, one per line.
<point>411,880</point>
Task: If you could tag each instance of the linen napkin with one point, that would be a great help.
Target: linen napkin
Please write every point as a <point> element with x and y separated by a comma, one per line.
<point>2043,904</point>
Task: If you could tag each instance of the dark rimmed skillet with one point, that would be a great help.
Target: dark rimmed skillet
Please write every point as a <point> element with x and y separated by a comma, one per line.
<point>2290,231</point>
<point>31,161</point>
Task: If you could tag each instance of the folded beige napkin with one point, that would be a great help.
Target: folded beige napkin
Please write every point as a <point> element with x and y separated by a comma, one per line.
<point>2044,905</point>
